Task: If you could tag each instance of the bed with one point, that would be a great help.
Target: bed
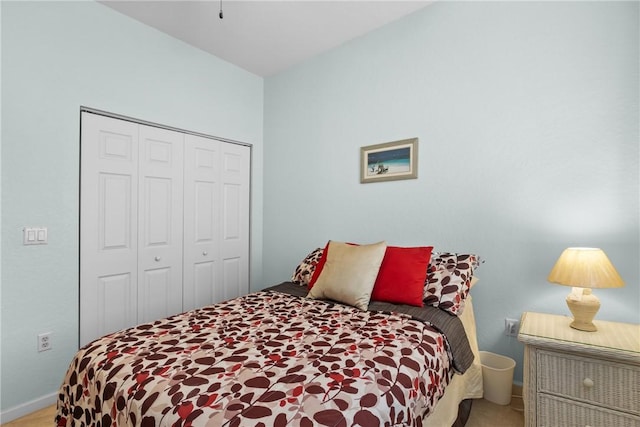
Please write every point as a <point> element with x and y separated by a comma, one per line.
<point>283,356</point>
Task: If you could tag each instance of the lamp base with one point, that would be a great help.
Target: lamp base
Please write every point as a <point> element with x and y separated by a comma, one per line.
<point>584,306</point>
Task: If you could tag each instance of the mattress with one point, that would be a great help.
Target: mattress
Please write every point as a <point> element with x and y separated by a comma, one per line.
<point>274,358</point>
<point>462,386</point>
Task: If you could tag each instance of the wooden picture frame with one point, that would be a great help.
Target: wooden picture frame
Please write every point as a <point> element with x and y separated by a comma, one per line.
<point>389,161</point>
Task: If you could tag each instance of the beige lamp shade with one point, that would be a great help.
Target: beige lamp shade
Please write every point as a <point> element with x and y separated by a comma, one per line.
<point>585,268</point>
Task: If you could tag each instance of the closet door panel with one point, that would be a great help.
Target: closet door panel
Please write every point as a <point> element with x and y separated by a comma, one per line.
<point>116,310</point>
<point>155,291</point>
<point>234,284</point>
<point>115,220</point>
<point>235,219</point>
<point>160,219</point>
<point>202,275</point>
<point>108,226</point>
<point>206,285</point>
<point>232,197</point>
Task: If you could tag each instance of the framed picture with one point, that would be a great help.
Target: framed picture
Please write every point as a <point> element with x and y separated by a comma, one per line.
<point>389,161</point>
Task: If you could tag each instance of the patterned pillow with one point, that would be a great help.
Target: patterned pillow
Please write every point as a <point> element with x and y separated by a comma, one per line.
<point>304,271</point>
<point>448,280</point>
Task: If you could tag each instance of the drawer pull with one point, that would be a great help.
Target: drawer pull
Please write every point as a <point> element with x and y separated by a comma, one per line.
<point>205,253</point>
<point>157,258</point>
<point>588,382</point>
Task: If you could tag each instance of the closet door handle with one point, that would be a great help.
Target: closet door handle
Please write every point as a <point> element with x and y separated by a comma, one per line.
<point>157,258</point>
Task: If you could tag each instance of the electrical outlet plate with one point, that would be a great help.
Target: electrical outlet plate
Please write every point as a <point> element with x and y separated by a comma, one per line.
<point>45,341</point>
<point>511,327</point>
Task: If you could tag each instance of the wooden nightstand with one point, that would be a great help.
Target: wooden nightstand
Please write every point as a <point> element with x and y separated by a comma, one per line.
<point>577,378</point>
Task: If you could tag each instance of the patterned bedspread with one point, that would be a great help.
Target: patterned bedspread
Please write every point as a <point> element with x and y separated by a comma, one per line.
<point>265,359</point>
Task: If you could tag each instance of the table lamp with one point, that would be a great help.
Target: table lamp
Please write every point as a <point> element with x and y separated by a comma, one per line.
<point>583,269</point>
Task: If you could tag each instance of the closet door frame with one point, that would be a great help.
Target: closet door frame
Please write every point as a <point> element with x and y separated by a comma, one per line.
<point>187,298</point>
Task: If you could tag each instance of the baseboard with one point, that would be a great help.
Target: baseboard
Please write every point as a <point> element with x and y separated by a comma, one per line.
<point>27,408</point>
<point>516,389</point>
<point>517,402</point>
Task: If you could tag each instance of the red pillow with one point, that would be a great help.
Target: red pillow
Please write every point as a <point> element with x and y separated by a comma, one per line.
<point>402,275</point>
<point>319,265</point>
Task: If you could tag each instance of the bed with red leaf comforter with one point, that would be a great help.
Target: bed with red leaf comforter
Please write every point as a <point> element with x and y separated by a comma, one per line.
<point>270,358</point>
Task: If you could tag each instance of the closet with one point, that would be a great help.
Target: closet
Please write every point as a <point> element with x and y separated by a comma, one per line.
<point>164,222</point>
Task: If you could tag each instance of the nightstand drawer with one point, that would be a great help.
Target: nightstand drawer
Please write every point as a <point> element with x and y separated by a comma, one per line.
<point>558,412</point>
<point>609,384</point>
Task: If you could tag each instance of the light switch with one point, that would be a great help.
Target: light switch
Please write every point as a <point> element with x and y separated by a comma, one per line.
<point>35,235</point>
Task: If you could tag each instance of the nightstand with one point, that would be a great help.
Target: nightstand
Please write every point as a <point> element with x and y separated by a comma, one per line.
<point>577,378</point>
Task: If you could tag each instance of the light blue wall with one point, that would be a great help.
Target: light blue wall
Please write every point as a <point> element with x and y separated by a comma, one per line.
<point>527,115</point>
<point>57,56</point>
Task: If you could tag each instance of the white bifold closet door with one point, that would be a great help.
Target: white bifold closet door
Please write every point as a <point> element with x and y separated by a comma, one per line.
<point>160,209</point>
<point>164,223</point>
<point>216,202</point>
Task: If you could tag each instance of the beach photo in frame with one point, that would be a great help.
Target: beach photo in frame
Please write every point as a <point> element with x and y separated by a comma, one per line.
<point>389,161</point>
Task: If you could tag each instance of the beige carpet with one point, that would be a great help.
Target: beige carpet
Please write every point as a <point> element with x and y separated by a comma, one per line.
<point>487,414</point>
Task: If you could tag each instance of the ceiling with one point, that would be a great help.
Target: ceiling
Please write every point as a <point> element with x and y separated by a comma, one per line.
<point>266,36</point>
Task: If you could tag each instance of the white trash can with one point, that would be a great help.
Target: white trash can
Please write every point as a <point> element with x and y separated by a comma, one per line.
<point>497,377</point>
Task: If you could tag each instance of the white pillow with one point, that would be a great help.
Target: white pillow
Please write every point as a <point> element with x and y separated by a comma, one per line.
<point>349,273</point>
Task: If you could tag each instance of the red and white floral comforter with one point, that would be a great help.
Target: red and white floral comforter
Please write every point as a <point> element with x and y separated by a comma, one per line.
<point>265,359</point>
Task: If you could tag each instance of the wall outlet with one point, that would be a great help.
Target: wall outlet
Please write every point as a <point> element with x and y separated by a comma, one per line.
<point>511,327</point>
<point>45,341</point>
